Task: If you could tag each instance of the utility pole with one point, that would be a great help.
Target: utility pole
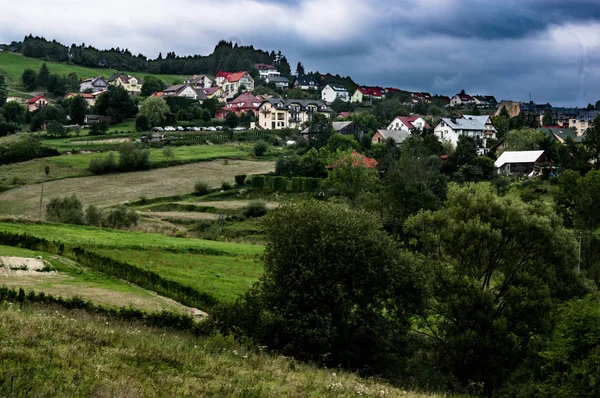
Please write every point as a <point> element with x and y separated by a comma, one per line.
<point>46,172</point>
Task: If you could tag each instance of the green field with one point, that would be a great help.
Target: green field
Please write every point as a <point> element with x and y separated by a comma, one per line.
<point>51,352</point>
<point>66,166</point>
<point>13,66</point>
<point>71,280</point>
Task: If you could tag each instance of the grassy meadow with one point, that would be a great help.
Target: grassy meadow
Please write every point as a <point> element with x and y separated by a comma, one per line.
<point>52,352</point>
<point>13,66</point>
<point>112,189</point>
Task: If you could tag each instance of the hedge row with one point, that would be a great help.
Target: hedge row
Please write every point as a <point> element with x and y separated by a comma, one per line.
<point>139,276</point>
<point>166,319</point>
<point>283,184</point>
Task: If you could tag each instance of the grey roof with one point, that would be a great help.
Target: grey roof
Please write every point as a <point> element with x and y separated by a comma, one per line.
<point>305,81</point>
<point>338,126</point>
<point>463,124</point>
<point>304,103</point>
<point>518,157</point>
<point>560,133</point>
<point>176,88</point>
<point>197,78</point>
<point>483,119</point>
<point>399,136</point>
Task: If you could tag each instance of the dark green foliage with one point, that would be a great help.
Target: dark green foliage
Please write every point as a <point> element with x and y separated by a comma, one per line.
<point>288,165</point>
<point>43,75</point>
<point>93,216</point>
<point>279,183</point>
<point>297,184</point>
<point>336,289</point>
<point>141,123</point>
<point>320,130</point>
<point>592,141</point>
<point>13,112</point>
<point>45,115</point>
<point>255,209</point>
<point>232,120</point>
<point>56,129</point>
<point>258,181</point>
<point>341,142</point>
<point>548,119</point>
<point>201,188</point>
<point>499,264</point>
<point>226,186</point>
<point>77,108</point>
<point>120,217</point>
<point>25,149</point>
<point>57,85</point>
<point>68,210</point>
<point>260,148</point>
<point>132,158</point>
<point>29,79</point>
<point>116,103</point>
<point>103,166</point>
<point>151,85</point>
<point>3,91</point>
<point>240,180</point>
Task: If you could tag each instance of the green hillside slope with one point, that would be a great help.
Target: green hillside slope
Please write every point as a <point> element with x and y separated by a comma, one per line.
<point>12,66</point>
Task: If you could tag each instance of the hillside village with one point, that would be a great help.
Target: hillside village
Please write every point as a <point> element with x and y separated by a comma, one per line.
<point>221,225</point>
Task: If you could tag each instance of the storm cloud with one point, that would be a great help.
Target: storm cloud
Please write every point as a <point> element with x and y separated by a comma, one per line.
<point>509,49</point>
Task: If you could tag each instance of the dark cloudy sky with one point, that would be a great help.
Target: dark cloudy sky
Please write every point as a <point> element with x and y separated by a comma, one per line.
<point>507,48</point>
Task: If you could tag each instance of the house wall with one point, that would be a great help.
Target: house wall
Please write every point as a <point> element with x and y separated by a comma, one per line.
<point>357,96</point>
<point>329,95</point>
<point>271,118</point>
<point>377,138</point>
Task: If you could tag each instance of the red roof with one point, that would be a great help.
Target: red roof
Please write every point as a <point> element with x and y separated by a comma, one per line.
<point>408,121</point>
<point>36,99</point>
<point>265,67</point>
<point>231,76</point>
<point>465,97</point>
<point>210,90</point>
<point>344,114</point>
<point>392,90</point>
<point>371,91</point>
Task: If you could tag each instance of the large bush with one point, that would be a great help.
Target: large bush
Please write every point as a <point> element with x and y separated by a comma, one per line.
<point>336,288</point>
<point>201,188</point>
<point>255,209</point>
<point>132,158</point>
<point>260,148</point>
<point>68,210</point>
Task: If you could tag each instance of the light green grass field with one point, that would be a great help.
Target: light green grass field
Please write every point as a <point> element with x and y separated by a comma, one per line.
<point>50,352</point>
<point>71,280</point>
<point>107,238</point>
<point>13,66</point>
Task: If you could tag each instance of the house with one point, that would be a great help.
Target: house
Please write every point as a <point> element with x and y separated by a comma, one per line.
<point>381,136</point>
<point>450,129</point>
<point>90,98</point>
<point>462,99</point>
<point>344,128</point>
<point>131,84</point>
<point>305,83</point>
<point>180,90</point>
<point>95,119</point>
<point>210,92</point>
<point>443,100</point>
<point>344,115</point>
<point>408,123</point>
<point>37,102</point>
<point>368,94</point>
<point>231,83</point>
<point>245,102</point>
<point>279,81</point>
<point>331,92</point>
<point>486,101</point>
<point>521,162</point>
<point>93,84</point>
<point>277,114</point>
<point>420,97</point>
<point>266,70</point>
<point>560,134</point>
<point>486,120</point>
<point>199,81</point>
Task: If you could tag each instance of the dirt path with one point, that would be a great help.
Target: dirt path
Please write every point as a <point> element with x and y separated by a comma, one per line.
<point>229,204</point>
<point>112,189</point>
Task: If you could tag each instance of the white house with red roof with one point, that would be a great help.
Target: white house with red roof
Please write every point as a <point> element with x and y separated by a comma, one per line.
<point>462,99</point>
<point>368,93</point>
<point>408,123</point>
<point>420,97</point>
<point>231,82</point>
<point>245,102</point>
<point>37,102</point>
<point>266,70</point>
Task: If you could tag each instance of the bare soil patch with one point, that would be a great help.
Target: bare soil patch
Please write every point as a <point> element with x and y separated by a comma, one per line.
<point>20,266</point>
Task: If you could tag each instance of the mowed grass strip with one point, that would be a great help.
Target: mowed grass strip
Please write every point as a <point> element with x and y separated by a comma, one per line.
<point>71,280</point>
<point>223,277</point>
<point>89,237</point>
<point>44,348</point>
<point>112,189</point>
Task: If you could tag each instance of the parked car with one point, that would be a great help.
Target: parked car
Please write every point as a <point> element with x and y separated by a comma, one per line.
<point>211,129</point>
<point>159,129</point>
<point>239,129</point>
<point>179,128</point>
<point>189,129</point>
<point>170,128</point>
<point>219,128</point>
<point>196,128</point>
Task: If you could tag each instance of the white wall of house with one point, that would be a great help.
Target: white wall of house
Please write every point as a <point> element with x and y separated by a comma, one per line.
<point>397,124</point>
<point>329,95</point>
<point>188,92</point>
<point>445,133</point>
